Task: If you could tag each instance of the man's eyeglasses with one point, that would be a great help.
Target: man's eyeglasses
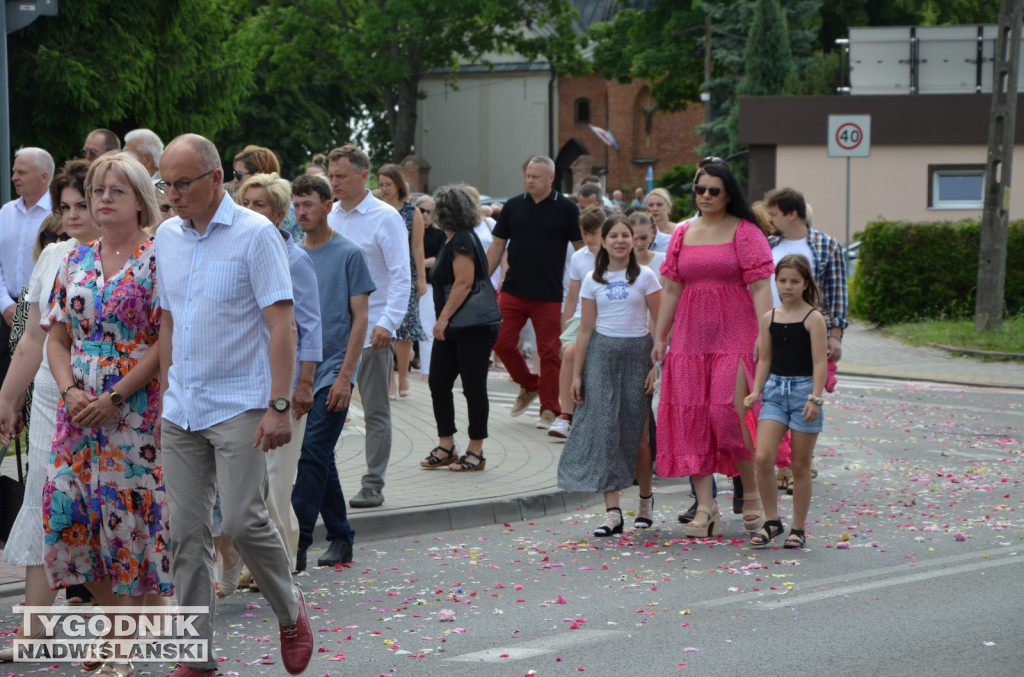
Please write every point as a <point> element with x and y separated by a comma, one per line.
<point>49,237</point>
<point>714,190</point>
<point>180,186</point>
<point>89,153</point>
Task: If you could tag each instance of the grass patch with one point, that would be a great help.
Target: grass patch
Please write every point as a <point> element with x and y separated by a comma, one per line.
<point>960,333</point>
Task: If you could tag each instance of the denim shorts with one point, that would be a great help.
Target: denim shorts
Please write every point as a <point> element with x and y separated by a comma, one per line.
<point>783,399</point>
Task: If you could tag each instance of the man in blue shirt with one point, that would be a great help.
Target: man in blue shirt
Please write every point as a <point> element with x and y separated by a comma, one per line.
<point>227,360</point>
<point>344,281</point>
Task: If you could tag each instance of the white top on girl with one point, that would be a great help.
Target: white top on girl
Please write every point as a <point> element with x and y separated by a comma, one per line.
<point>621,307</point>
<point>580,267</point>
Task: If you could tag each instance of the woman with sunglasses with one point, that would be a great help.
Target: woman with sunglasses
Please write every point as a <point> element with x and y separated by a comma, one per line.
<point>25,545</point>
<point>716,280</point>
<point>433,240</point>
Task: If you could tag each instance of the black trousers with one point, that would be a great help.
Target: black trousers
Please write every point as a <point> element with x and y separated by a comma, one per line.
<point>5,348</point>
<point>464,354</point>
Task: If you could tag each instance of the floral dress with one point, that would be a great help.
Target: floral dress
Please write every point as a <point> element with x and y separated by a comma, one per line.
<point>411,329</point>
<point>104,507</point>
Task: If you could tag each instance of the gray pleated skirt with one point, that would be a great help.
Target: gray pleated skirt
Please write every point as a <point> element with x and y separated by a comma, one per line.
<point>600,454</point>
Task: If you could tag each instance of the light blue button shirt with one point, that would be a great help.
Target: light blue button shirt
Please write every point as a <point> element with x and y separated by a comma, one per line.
<point>215,287</point>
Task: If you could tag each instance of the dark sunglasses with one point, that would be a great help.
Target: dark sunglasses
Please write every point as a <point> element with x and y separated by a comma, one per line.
<point>49,237</point>
<point>425,211</point>
<point>240,175</point>
<point>714,190</point>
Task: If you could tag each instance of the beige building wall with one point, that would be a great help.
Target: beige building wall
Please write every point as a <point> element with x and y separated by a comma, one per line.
<point>891,184</point>
<point>482,133</point>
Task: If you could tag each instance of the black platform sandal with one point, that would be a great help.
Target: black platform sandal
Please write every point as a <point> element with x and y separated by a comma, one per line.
<point>433,462</point>
<point>767,533</point>
<point>463,464</point>
<point>796,540</point>
<point>611,525</point>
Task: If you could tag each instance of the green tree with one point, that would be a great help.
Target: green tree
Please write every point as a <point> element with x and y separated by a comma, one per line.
<point>377,50</point>
<point>104,63</point>
<point>662,45</point>
<point>767,58</point>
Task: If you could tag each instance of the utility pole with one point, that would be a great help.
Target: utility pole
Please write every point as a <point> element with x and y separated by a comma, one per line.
<point>988,309</point>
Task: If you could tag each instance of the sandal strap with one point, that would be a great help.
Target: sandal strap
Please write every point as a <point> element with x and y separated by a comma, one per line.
<point>463,463</point>
<point>433,459</point>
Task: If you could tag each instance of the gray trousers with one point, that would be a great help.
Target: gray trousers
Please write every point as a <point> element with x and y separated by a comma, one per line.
<point>195,462</point>
<point>374,380</point>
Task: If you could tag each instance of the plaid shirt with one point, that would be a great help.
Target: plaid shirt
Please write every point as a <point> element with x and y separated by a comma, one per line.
<point>829,271</point>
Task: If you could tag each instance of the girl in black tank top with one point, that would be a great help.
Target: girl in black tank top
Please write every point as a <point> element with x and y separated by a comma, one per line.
<point>789,380</point>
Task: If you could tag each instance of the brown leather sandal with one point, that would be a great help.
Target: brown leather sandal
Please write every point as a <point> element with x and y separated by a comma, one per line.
<point>433,462</point>
<point>463,464</point>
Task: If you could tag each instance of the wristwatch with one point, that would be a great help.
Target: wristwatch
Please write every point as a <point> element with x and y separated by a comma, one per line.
<point>280,404</point>
<point>115,398</point>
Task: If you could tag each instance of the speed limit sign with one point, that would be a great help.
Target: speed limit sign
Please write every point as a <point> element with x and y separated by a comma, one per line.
<point>849,135</point>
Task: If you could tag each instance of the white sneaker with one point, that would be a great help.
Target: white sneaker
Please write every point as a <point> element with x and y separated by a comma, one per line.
<point>560,428</point>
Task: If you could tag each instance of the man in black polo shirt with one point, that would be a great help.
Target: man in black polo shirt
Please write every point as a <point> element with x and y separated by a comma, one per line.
<point>536,226</point>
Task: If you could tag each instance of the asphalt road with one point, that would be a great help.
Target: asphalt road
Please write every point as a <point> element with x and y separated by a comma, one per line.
<point>913,567</point>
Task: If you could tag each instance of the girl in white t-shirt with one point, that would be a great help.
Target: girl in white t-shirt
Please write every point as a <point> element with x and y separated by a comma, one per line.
<point>612,379</point>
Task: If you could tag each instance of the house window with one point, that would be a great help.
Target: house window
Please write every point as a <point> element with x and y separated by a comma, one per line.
<point>956,187</point>
<point>583,111</point>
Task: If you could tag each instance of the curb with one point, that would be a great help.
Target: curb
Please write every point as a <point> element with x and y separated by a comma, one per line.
<point>985,354</point>
<point>951,379</point>
<point>377,526</point>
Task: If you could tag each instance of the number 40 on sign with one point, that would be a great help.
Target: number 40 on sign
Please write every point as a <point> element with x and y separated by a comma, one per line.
<point>849,135</point>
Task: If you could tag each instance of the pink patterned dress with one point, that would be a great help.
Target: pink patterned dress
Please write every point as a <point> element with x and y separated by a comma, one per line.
<point>713,333</point>
<point>104,506</point>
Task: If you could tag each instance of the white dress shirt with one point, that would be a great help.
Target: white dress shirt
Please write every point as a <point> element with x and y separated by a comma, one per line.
<point>19,228</point>
<point>380,230</point>
<point>215,286</point>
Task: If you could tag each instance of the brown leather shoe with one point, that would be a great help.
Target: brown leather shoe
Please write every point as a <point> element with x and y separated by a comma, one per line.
<point>297,641</point>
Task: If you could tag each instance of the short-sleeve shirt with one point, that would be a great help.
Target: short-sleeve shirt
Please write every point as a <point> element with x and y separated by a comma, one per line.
<point>621,307</point>
<point>537,234</point>
<point>341,273</point>
<point>215,286</point>
<point>467,243</point>
<point>580,265</point>
<point>308,347</point>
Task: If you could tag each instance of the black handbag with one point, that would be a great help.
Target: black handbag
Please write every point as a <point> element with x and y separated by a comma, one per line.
<point>480,309</point>
<point>12,494</point>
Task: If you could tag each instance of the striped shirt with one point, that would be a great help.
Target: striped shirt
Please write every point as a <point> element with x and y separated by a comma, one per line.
<point>309,347</point>
<point>215,286</point>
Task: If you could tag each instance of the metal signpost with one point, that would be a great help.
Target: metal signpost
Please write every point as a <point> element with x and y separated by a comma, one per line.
<point>849,136</point>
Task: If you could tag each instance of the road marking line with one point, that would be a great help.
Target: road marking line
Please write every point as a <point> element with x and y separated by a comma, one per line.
<point>864,587</point>
<point>890,571</point>
<point>540,646</point>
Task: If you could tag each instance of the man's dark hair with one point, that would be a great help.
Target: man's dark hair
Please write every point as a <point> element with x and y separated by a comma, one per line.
<point>591,178</point>
<point>787,200</point>
<point>304,184</point>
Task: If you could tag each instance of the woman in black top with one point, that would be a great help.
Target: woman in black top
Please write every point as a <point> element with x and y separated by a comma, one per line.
<point>465,353</point>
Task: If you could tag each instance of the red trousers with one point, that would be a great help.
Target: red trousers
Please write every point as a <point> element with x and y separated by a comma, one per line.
<point>547,323</point>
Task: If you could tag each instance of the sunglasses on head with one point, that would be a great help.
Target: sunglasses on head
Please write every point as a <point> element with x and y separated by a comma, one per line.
<point>711,160</point>
<point>714,190</point>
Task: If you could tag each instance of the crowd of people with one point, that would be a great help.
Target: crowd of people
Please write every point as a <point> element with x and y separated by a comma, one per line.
<point>195,340</point>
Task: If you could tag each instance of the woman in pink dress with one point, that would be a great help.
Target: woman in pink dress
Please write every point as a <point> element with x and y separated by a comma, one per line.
<point>716,275</point>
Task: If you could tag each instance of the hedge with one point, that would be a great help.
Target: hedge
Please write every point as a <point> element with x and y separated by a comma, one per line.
<point>914,271</point>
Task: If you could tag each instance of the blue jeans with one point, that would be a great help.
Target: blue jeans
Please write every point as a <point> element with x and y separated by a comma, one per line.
<point>317,487</point>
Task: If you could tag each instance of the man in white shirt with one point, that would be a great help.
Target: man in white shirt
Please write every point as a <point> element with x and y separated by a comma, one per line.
<point>147,147</point>
<point>380,231</point>
<point>227,359</point>
<point>19,227</point>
